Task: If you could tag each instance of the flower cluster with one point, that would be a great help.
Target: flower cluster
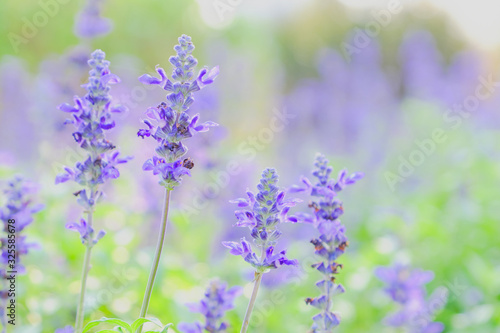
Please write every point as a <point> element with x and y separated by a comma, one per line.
<point>92,116</point>
<point>261,214</point>
<point>89,23</point>
<point>16,215</point>
<point>331,243</point>
<point>169,123</point>
<point>406,287</point>
<point>218,299</point>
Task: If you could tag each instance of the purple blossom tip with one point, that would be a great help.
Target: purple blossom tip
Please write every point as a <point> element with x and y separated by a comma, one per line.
<point>261,213</point>
<point>92,117</point>
<point>170,123</point>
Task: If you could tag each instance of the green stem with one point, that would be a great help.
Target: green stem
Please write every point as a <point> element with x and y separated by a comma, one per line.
<point>255,291</point>
<point>248,314</point>
<point>156,260</point>
<point>85,273</point>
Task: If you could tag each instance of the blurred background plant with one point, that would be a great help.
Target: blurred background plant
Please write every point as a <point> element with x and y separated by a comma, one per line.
<point>404,91</point>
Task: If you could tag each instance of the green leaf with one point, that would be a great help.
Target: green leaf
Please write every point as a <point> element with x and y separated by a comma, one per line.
<point>115,321</point>
<point>141,321</point>
<point>164,329</point>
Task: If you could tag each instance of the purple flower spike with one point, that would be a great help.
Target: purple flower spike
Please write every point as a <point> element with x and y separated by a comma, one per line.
<point>169,123</point>
<point>218,299</point>
<point>16,215</point>
<point>332,240</point>
<point>406,287</point>
<point>92,117</point>
<point>261,214</point>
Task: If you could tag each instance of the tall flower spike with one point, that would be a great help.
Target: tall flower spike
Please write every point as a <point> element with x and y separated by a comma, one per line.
<point>261,213</point>
<point>218,299</point>
<point>16,215</point>
<point>92,116</point>
<point>406,287</point>
<point>332,242</point>
<point>170,123</point>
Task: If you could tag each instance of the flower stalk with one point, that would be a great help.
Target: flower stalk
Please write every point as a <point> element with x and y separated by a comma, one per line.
<point>156,260</point>
<point>251,303</point>
<point>169,124</point>
<point>332,241</point>
<point>85,273</point>
<point>92,117</point>
<point>262,213</point>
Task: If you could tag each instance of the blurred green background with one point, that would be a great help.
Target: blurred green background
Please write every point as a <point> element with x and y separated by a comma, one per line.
<point>442,217</point>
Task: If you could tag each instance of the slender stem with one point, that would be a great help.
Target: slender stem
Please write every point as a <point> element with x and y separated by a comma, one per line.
<point>248,314</point>
<point>258,279</point>
<point>156,260</point>
<point>85,273</point>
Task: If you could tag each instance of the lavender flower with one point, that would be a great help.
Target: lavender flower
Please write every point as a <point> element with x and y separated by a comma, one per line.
<point>406,287</point>
<point>261,214</point>
<point>92,117</point>
<point>89,23</point>
<point>218,299</point>
<point>170,123</point>
<point>331,243</point>
<point>16,215</point>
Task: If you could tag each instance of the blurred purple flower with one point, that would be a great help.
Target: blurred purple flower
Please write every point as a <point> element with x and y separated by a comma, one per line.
<point>422,66</point>
<point>338,107</point>
<point>15,111</point>
<point>331,243</point>
<point>89,23</point>
<point>169,123</point>
<point>19,208</point>
<point>218,299</point>
<point>406,287</point>
<point>67,329</point>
